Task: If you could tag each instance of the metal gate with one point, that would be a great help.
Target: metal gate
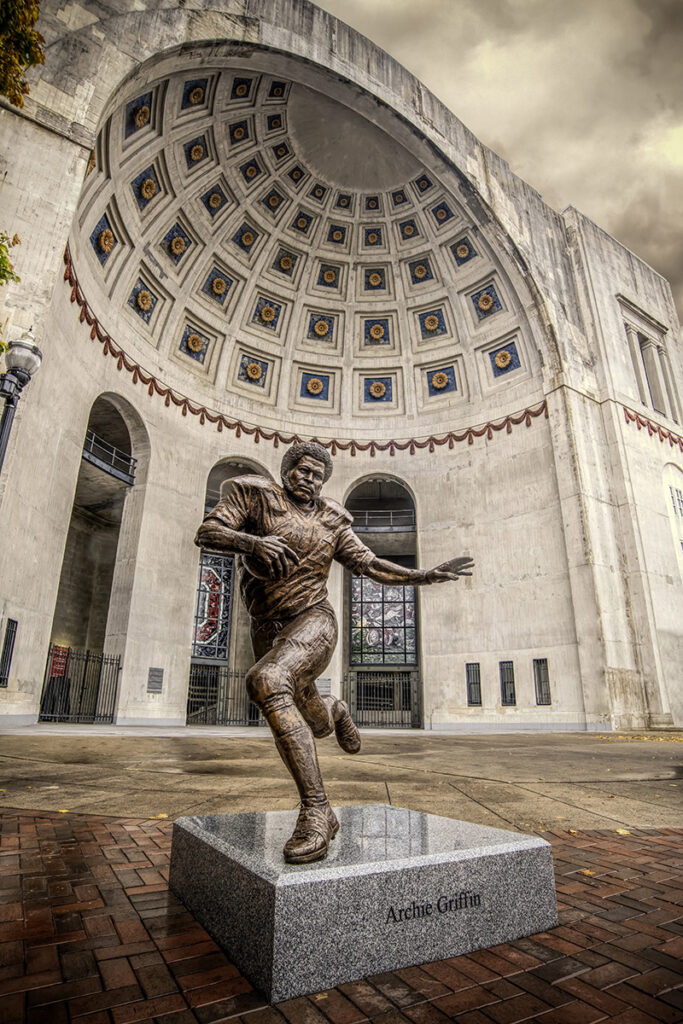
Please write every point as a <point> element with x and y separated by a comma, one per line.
<point>389,700</point>
<point>218,696</point>
<point>79,686</point>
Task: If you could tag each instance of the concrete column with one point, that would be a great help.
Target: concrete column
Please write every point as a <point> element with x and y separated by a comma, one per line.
<point>153,594</point>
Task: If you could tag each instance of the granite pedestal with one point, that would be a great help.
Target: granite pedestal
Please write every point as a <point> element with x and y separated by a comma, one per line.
<point>397,888</point>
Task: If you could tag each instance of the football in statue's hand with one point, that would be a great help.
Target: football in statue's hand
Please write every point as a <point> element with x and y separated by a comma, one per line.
<point>263,570</point>
<point>271,558</point>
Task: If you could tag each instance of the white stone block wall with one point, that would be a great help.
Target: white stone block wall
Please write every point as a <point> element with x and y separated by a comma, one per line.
<point>567,519</point>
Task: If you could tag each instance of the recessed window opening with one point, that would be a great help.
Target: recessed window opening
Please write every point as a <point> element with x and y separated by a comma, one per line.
<point>7,651</point>
<point>654,376</point>
<point>473,675</point>
<point>650,357</point>
<point>673,485</point>
<point>542,681</point>
<point>507,684</point>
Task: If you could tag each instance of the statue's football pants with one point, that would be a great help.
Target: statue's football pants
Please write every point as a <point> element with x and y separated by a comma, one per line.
<point>291,655</point>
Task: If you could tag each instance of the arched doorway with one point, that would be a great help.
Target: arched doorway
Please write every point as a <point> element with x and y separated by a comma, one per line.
<point>221,644</point>
<point>83,663</point>
<point>382,651</point>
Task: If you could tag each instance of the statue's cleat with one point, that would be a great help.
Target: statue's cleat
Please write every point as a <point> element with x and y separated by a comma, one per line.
<point>315,828</point>
<point>346,730</point>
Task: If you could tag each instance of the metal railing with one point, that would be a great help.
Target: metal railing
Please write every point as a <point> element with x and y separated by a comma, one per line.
<point>109,458</point>
<point>384,700</point>
<point>371,520</point>
<point>217,696</point>
<point>79,686</point>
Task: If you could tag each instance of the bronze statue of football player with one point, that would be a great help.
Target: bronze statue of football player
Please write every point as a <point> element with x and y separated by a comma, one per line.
<point>287,537</point>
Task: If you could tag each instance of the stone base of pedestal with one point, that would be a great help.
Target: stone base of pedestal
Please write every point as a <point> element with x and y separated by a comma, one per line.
<point>397,888</point>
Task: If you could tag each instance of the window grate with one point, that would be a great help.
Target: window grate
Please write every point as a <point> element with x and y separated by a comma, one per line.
<point>217,696</point>
<point>7,651</point>
<point>542,681</point>
<point>507,683</point>
<point>473,674</point>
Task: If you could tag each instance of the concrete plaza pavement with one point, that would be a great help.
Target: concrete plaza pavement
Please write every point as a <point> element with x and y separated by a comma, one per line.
<point>531,782</point>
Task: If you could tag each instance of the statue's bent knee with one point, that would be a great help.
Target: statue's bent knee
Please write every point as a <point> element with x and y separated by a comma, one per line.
<point>265,682</point>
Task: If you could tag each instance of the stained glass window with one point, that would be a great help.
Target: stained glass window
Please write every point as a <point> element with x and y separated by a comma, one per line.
<point>214,604</point>
<point>382,624</point>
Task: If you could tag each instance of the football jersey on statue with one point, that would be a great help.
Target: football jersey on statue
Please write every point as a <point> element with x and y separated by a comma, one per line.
<point>318,535</point>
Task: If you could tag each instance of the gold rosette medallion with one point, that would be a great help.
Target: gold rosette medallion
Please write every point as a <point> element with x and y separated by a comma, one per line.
<point>148,188</point>
<point>314,386</point>
<point>254,371</point>
<point>106,240</point>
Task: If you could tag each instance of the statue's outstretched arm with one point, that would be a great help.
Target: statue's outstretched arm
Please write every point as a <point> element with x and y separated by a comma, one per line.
<point>382,571</point>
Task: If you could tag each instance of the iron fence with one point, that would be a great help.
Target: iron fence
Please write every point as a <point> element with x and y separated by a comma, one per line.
<point>79,686</point>
<point>218,696</point>
<point>384,700</point>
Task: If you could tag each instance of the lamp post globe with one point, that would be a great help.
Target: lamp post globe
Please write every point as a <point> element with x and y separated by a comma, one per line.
<point>24,354</point>
<point>23,358</point>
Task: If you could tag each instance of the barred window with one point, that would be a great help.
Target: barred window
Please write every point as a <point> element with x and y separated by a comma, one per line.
<point>473,683</point>
<point>507,683</point>
<point>541,681</point>
<point>7,651</point>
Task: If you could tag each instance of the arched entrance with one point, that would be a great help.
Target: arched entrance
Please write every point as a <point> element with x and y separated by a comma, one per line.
<point>382,651</point>
<point>221,644</point>
<point>83,663</point>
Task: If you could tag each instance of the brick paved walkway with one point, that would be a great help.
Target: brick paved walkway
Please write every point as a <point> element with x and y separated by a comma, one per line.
<point>89,932</point>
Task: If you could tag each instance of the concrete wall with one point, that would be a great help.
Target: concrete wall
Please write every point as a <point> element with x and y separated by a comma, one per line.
<point>566,518</point>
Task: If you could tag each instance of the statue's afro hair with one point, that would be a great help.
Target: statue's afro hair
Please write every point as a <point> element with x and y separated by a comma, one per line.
<point>300,450</point>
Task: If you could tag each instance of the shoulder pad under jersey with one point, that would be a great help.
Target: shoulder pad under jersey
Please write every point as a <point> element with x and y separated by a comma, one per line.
<point>330,505</point>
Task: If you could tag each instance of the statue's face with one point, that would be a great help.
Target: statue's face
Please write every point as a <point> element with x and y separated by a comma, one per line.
<point>305,480</point>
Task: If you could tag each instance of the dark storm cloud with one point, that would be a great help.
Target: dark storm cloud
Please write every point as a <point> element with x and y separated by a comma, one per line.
<point>582,98</point>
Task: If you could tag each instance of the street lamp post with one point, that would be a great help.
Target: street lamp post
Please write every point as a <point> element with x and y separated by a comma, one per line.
<point>22,359</point>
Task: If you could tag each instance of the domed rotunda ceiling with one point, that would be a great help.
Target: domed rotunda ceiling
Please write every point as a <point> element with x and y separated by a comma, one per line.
<point>265,249</point>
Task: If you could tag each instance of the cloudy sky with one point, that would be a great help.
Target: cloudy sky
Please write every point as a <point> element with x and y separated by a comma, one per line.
<point>583,98</point>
